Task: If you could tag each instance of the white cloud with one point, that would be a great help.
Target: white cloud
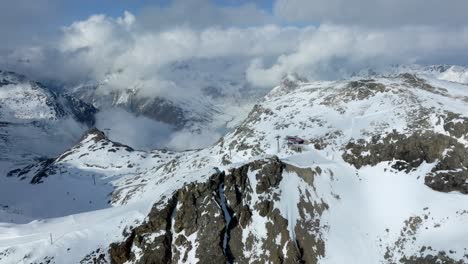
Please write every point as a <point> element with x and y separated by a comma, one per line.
<point>122,55</point>
<point>136,131</point>
<point>331,50</point>
<point>146,134</point>
<point>375,13</point>
<point>129,53</point>
<point>219,45</point>
<point>183,140</point>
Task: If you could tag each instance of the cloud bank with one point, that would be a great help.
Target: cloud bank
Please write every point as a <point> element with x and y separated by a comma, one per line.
<point>331,51</point>
<point>136,131</point>
<point>146,134</point>
<point>389,13</point>
<point>134,52</point>
<point>187,47</point>
<point>20,19</point>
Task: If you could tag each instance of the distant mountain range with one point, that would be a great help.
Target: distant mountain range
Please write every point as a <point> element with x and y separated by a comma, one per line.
<point>36,122</point>
<point>382,175</point>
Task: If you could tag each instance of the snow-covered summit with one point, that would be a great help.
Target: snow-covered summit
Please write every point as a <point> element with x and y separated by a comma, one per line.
<point>381,178</point>
<point>23,100</point>
<point>451,73</point>
<point>37,122</point>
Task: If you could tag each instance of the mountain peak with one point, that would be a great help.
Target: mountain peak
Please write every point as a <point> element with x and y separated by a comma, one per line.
<point>452,73</point>
<point>93,134</point>
<point>367,148</point>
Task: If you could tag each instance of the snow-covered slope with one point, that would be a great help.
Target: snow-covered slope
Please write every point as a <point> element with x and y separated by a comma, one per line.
<point>451,73</point>
<point>381,178</point>
<point>36,122</point>
<point>80,179</point>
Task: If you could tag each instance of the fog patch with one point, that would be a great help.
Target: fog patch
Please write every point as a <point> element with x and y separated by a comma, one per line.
<point>143,133</point>
<point>183,140</point>
<point>138,132</point>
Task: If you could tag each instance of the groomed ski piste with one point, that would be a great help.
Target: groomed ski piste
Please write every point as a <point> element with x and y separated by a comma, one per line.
<point>375,213</point>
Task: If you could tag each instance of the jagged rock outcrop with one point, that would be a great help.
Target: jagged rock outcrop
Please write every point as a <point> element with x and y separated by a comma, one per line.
<point>456,125</point>
<point>356,90</point>
<point>228,219</point>
<point>409,152</point>
<point>436,258</point>
<point>394,134</point>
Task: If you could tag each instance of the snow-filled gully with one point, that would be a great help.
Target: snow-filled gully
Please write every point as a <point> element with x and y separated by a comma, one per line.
<point>227,218</point>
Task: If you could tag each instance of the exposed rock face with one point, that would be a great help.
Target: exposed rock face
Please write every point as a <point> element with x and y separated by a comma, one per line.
<point>437,258</point>
<point>425,255</point>
<point>415,81</point>
<point>456,125</point>
<point>449,174</point>
<point>269,211</point>
<point>95,134</point>
<point>240,194</point>
<point>39,170</point>
<point>157,249</point>
<point>356,90</point>
<point>229,219</point>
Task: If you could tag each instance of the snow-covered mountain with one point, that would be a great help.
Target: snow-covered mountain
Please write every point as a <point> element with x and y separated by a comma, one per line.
<point>215,94</point>
<point>451,73</point>
<point>209,95</point>
<point>381,178</point>
<point>37,122</point>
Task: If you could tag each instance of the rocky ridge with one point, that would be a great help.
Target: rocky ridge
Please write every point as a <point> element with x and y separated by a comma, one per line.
<point>380,179</point>
<point>215,222</point>
<point>37,122</point>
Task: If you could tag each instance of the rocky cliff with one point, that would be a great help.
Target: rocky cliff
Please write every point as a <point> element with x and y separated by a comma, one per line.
<point>234,217</point>
<point>381,178</point>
